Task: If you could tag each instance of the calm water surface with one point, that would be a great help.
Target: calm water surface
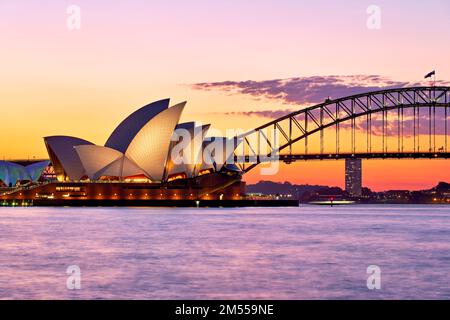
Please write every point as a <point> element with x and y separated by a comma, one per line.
<point>309,252</point>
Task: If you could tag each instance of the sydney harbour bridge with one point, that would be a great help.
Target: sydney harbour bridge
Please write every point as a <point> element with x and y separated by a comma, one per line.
<point>394,123</point>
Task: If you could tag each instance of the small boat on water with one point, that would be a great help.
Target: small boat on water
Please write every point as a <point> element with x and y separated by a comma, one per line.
<point>332,202</point>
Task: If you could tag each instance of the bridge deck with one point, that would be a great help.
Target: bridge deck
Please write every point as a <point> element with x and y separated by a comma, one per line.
<point>332,156</point>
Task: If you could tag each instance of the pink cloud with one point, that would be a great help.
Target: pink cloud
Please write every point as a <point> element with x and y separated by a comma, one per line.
<point>306,90</point>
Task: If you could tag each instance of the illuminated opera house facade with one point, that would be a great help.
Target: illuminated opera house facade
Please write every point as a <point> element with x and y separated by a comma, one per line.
<point>149,156</point>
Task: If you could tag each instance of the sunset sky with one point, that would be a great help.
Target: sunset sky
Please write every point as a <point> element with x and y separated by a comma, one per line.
<point>220,56</point>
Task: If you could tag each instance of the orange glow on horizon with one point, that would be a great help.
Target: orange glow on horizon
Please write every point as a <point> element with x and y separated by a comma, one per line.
<point>378,175</point>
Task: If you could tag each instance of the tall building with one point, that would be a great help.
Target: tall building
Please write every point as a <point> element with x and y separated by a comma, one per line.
<point>353,177</point>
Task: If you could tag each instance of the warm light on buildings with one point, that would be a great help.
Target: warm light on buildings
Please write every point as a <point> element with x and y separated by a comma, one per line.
<point>133,159</point>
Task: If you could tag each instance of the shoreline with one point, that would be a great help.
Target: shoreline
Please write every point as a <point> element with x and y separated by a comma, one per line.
<point>151,203</point>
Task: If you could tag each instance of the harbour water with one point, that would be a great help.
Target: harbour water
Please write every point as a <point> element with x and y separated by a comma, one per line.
<point>309,252</point>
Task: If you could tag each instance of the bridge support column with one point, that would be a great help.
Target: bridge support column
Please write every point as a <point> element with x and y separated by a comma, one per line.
<point>353,177</point>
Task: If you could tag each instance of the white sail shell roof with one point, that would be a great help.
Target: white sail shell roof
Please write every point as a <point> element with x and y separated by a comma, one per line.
<point>189,153</point>
<point>150,147</point>
<point>62,147</point>
<point>127,130</point>
<point>140,145</point>
<point>179,148</point>
<point>122,168</point>
<point>101,161</point>
<point>94,158</point>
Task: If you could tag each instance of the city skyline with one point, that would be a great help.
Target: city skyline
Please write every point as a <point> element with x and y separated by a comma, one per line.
<point>59,80</point>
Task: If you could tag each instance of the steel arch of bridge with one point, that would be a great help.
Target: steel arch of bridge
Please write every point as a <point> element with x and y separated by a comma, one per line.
<point>256,147</point>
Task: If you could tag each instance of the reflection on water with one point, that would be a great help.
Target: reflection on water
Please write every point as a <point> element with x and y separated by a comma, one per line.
<point>309,252</point>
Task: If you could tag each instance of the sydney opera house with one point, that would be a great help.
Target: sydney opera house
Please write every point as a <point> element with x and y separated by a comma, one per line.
<point>149,156</point>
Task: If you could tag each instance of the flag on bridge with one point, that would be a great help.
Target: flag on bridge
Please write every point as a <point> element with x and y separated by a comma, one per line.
<point>429,75</point>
